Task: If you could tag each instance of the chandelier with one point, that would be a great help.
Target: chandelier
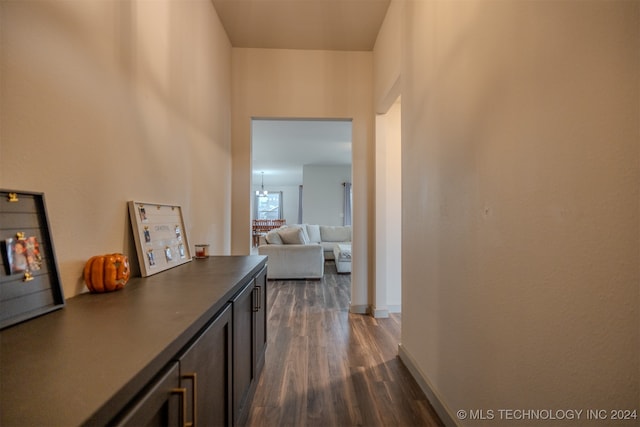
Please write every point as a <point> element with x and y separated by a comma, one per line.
<point>263,192</point>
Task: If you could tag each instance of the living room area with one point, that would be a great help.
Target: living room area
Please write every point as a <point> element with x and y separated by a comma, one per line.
<point>302,195</point>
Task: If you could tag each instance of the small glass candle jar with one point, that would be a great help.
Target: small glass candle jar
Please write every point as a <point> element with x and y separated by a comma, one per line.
<point>202,251</point>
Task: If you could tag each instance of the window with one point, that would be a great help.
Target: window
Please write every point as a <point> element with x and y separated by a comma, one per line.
<point>269,206</point>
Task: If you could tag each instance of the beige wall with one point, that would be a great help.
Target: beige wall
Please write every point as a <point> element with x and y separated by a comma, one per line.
<point>107,101</point>
<point>387,59</point>
<point>520,127</point>
<point>386,91</point>
<point>306,84</point>
<point>388,291</point>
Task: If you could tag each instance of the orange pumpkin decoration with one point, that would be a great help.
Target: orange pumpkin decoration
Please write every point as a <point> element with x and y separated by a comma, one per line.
<point>106,273</point>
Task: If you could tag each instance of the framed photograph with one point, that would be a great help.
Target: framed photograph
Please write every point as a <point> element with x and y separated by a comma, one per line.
<point>16,255</point>
<point>29,274</point>
<point>160,236</point>
<point>23,254</point>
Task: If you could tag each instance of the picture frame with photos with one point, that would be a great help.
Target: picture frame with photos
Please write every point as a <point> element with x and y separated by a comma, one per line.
<point>29,274</point>
<point>160,236</point>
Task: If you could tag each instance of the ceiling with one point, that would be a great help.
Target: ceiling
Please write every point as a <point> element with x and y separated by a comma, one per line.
<point>302,24</point>
<point>282,147</point>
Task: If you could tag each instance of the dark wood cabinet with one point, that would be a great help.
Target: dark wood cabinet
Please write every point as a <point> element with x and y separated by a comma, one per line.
<point>249,314</point>
<point>260,317</point>
<point>162,405</point>
<point>182,347</point>
<point>243,305</point>
<point>197,388</point>
<point>218,371</point>
<point>205,373</point>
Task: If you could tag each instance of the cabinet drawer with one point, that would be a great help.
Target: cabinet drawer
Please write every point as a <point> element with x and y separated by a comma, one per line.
<point>205,372</point>
<point>163,403</point>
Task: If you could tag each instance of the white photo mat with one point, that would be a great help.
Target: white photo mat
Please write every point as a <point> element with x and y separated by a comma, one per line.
<point>160,236</point>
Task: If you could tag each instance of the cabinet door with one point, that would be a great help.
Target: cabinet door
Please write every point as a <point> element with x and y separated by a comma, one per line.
<point>243,306</point>
<point>205,372</point>
<point>260,318</point>
<point>162,405</point>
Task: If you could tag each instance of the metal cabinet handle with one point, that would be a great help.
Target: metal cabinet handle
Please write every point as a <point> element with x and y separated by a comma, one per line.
<point>254,291</point>
<point>194,398</point>
<point>183,395</point>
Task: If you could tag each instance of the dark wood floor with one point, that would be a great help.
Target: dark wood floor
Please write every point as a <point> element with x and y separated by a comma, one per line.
<point>327,367</point>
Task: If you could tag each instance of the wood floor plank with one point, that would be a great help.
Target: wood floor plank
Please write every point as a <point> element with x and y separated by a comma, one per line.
<point>327,367</point>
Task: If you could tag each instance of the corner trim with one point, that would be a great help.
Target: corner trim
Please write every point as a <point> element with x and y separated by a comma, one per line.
<point>390,96</point>
<point>433,396</point>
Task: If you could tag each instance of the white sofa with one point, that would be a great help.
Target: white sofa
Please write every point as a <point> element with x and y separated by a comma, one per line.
<point>298,251</point>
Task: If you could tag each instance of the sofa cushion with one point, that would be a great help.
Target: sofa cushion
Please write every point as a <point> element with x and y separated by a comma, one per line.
<point>335,233</point>
<point>292,236</point>
<point>313,231</point>
<point>273,238</point>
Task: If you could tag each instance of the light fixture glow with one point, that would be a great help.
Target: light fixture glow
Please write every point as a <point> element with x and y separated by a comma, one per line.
<point>264,192</point>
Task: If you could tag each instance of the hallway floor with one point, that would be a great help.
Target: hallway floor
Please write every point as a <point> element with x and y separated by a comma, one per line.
<point>327,367</point>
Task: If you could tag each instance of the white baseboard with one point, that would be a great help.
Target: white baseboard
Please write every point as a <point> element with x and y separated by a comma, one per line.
<point>359,309</point>
<point>379,313</point>
<point>395,309</point>
<point>433,396</point>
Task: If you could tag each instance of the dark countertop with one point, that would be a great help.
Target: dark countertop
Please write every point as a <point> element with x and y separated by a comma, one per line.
<point>83,363</point>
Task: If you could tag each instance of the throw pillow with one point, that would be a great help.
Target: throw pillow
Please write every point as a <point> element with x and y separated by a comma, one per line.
<point>314,233</point>
<point>305,236</point>
<point>292,236</point>
<point>273,238</point>
<point>304,232</point>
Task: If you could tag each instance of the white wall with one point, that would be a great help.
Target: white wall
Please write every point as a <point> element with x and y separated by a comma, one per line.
<point>107,101</point>
<point>323,194</point>
<point>520,153</point>
<point>271,83</point>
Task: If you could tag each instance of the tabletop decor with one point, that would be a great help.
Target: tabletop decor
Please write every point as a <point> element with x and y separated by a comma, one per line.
<point>160,236</point>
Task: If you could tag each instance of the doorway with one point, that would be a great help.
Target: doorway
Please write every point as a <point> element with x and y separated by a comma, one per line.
<point>388,266</point>
<point>306,162</point>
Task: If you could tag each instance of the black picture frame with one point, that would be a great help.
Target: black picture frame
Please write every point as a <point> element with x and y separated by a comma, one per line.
<point>35,290</point>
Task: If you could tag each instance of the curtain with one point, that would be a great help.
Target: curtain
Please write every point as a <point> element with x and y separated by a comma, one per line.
<point>300,204</point>
<point>347,203</point>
